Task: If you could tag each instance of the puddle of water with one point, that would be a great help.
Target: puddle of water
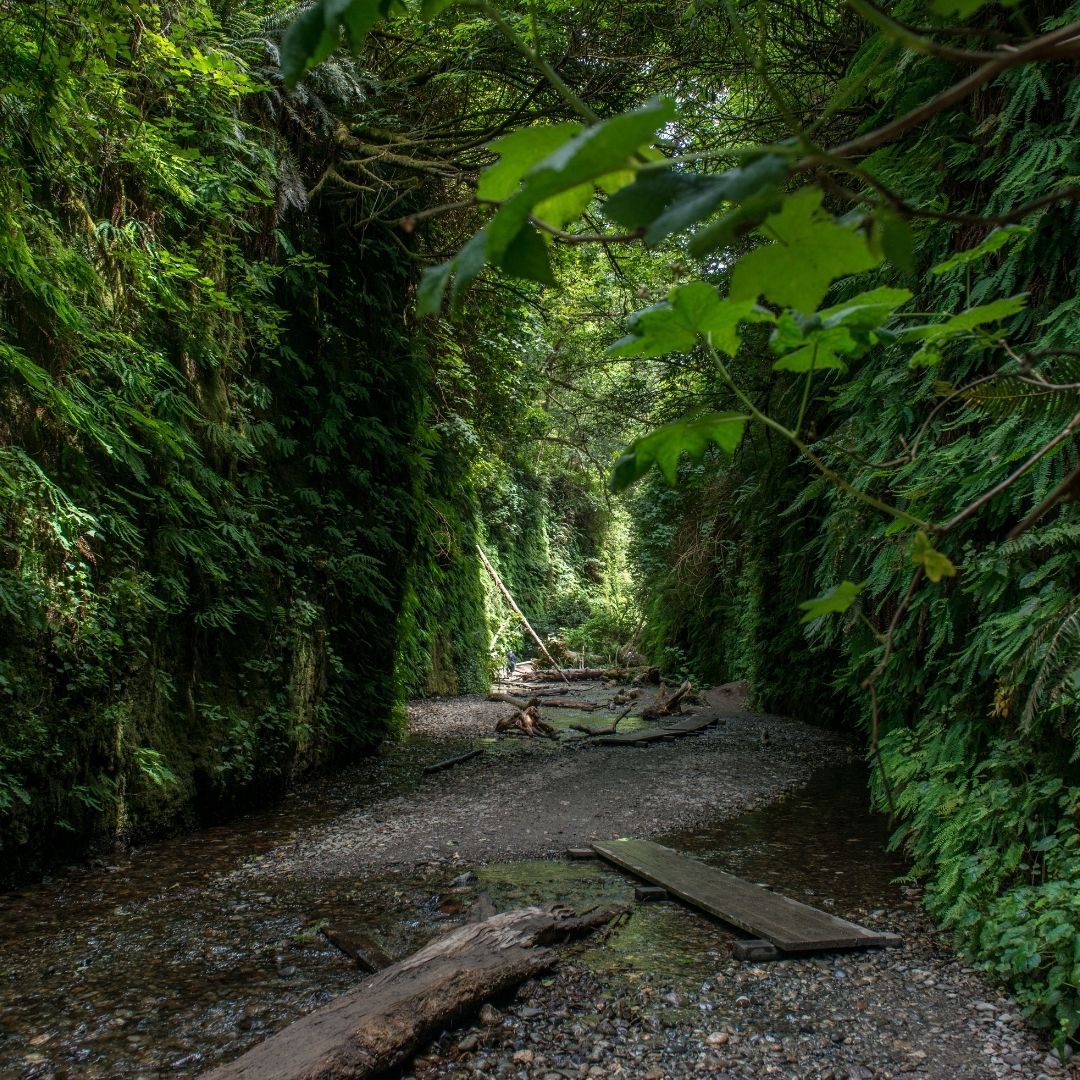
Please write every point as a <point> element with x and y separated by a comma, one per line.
<point>168,965</point>
<point>820,844</point>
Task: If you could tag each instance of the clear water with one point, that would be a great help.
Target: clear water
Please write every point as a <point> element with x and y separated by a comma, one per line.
<point>166,964</point>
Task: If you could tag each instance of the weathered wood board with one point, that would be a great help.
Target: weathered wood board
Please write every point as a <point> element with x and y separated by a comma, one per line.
<point>375,1028</point>
<point>689,725</point>
<point>788,924</point>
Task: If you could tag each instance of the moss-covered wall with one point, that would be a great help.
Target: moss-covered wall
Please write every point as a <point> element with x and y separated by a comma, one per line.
<point>209,397</point>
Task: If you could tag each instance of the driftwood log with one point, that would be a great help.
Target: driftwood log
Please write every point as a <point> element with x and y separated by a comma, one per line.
<point>529,721</point>
<point>449,763</point>
<point>610,729</point>
<point>378,1026</point>
<point>665,705</point>
<point>622,675</point>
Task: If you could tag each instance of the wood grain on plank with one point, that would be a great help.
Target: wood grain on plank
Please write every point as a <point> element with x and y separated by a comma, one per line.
<point>687,726</point>
<point>788,924</point>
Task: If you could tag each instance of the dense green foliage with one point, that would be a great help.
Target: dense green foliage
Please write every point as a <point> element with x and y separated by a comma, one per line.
<point>883,407</point>
<point>819,280</point>
<point>240,489</point>
<point>191,612</point>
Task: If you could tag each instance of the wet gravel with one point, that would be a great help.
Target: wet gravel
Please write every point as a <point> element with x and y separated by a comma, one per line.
<point>914,1013</point>
<point>189,953</point>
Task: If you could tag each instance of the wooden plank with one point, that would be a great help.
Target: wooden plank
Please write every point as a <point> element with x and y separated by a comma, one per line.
<point>786,923</point>
<point>689,725</point>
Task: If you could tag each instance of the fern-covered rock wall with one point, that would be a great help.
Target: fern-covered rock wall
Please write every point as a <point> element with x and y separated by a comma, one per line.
<point>206,466</point>
<point>241,485</point>
<point>978,708</point>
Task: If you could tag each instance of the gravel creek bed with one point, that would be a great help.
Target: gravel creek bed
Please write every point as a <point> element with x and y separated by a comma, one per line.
<point>189,952</point>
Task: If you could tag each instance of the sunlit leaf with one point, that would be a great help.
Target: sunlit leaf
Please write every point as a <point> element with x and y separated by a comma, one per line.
<point>826,338</point>
<point>565,207</point>
<point>823,351</point>
<point>839,598</point>
<point>665,446</point>
<point>924,554</point>
<point>809,250</point>
<point>585,158</point>
<point>691,310</point>
<point>518,153</point>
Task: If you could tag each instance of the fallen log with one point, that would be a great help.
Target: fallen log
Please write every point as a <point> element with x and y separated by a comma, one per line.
<point>621,675</point>
<point>514,608</point>
<point>610,729</point>
<point>449,763</point>
<point>666,706</point>
<point>377,1027</point>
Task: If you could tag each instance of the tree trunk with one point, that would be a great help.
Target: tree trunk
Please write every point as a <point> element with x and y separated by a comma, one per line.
<point>378,1026</point>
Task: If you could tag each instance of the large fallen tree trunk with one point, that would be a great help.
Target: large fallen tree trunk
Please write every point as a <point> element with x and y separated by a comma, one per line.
<point>378,1026</point>
<point>623,675</point>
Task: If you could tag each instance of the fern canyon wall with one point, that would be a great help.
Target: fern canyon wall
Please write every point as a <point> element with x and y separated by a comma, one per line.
<point>241,486</point>
<point>301,305</point>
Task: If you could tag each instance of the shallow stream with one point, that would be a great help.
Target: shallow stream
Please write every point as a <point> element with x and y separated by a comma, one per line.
<point>166,963</point>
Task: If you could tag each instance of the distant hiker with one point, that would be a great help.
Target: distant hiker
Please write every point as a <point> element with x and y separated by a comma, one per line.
<point>511,662</point>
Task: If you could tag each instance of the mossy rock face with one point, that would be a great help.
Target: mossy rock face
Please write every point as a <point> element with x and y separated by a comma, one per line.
<point>196,622</point>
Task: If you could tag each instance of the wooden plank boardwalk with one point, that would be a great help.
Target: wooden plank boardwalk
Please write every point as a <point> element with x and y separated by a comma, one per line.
<point>689,725</point>
<point>788,924</point>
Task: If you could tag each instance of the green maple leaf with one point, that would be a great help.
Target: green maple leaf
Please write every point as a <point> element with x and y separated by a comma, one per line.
<point>666,445</point>
<point>810,250</point>
<point>924,554</point>
<point>838,598</point>
<point>690,310</point>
